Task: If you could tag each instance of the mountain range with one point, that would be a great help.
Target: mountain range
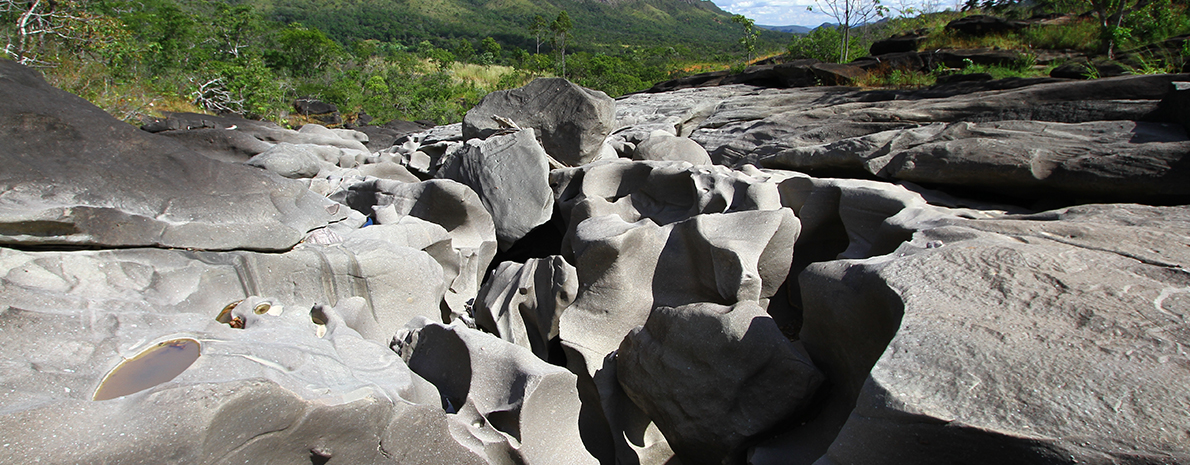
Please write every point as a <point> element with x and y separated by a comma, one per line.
<point>599,25</point>
<point>788,29</point>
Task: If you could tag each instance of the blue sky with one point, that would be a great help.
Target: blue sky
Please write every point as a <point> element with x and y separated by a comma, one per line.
<point>793,12</point>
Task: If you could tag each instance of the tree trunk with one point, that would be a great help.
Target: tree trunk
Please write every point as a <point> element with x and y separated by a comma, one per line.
<point>844,43</point>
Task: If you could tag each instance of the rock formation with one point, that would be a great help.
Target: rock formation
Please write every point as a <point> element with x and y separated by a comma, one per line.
<point>727,274</point>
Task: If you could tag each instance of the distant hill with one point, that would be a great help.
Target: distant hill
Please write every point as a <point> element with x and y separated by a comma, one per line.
<point>788,29</point>
<point>598,24</point>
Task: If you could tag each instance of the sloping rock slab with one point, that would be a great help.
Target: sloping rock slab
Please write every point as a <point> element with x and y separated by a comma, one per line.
<point>274,390</point>
<point>1056,337</point>
<point>73,175</point>
<point>1106,159</point>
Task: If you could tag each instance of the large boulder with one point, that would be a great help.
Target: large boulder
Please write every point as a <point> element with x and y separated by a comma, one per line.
<point>907,42</point>
<point>495,385</point>
<point>76,176</point>
<point>522,302</point>
<point>451,205</point>
<point>510,173</point>
<point>1023,339</point>
<point>713,376</point>
<point>570,120</point>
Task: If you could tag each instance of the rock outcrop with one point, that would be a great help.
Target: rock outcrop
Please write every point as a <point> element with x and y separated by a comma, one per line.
<point>753,275</point>
<point>571,121</point>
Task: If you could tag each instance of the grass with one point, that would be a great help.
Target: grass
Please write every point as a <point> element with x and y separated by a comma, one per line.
<point>951,39</point>
<point>1079,34</point>
<point>897,79</point>
<point>127,100</point>
<point>482,76</point>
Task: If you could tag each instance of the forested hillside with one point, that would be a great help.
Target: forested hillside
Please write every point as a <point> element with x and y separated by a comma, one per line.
<point>390,59</point>
<point>598,26</point>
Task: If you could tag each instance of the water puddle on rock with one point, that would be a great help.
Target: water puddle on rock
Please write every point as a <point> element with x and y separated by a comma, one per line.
<point>154,366</point>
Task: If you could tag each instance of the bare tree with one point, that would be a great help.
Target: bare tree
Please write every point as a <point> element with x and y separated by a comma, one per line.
<point>849,13</point>
<point>34,20</point>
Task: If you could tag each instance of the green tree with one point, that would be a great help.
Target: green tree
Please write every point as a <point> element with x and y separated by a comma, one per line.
<point>463,50</point>
<point>489,45</point>
<point>538,26</point>
<point>749,38</point>
<point>561,29</point>
<point>42,27</point>
<point>850,13</point>
<point>823,44</point>
<point>1110,14</point>
<point>303,51</point>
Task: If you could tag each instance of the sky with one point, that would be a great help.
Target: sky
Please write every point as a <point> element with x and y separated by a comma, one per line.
<point>793,12</point>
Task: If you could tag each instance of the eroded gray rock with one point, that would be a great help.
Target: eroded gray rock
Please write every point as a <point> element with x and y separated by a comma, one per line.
<point>626,269</point>
<point>713,376</point>
<point>522,303</point>
<point>511,176</point>
<point>496,384</point>
<point>296,161</point>
<point>446,203</point>
<point>663,146</point>
<point>1024,339</point>
<point>265,388</point>
<point>570,120</point>
<point>76,176</point>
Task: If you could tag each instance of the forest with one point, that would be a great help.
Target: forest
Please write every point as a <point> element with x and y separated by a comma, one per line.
<point>253,58</point>
<point>422,60</point>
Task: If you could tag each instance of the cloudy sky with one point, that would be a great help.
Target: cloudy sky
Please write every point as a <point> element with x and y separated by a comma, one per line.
<point>792,12</point>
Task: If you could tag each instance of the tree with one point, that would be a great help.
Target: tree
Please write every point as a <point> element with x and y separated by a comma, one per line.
<point>849,13</point>
<point>1110,15</point>
<point>489,45</point>
<point>303,51</point>
<point>561,29</point>
<point>749,39</point>
<point>35,21</point>
<point>537,27</point>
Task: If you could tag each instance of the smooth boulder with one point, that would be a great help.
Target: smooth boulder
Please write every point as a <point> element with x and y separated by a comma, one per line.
<point>510,173</point>
<point>714,376</point>
<point>570,120</point>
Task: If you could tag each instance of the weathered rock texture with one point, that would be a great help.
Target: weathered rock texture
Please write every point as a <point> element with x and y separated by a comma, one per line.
<point>1102,139</point>
<point>571,121</point>
<point>698,370</point>
<point>510,173</point>
<point>1022,339</point>
<point>74,175</point>
<point>824,309</point>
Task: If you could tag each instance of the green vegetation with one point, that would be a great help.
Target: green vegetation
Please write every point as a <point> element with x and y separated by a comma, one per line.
<point>1150,22</point>
<point>254,57</point>
<point>749,38</point>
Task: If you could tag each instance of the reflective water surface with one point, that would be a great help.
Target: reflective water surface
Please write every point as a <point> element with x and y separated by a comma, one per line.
<point>154,366</point>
